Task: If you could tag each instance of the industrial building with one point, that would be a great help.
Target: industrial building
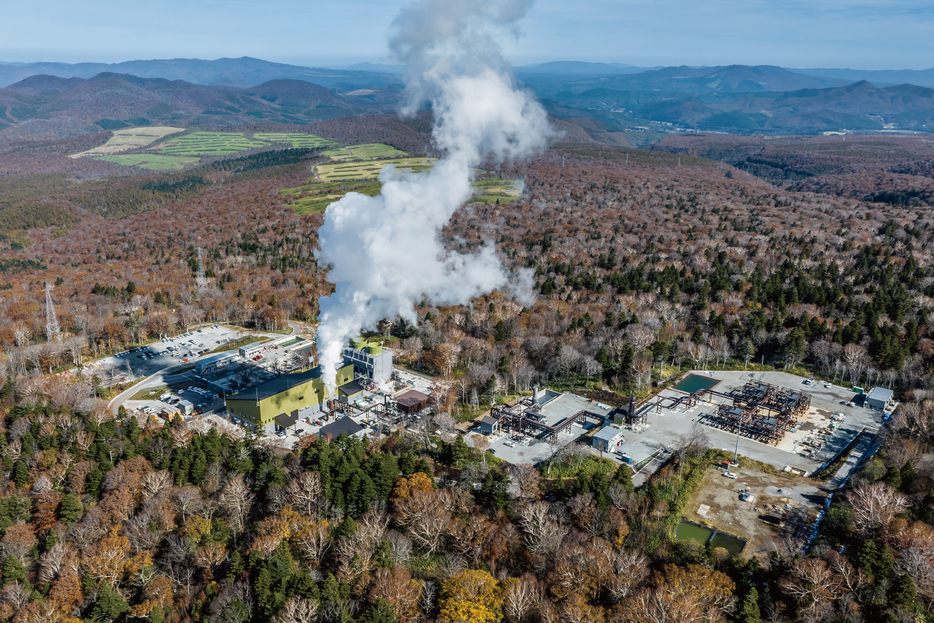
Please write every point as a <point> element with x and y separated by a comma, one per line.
<point>412,402</point>
<point>251,350</point>
<point>881,399</point>
<point>300,395</point>
<point>214,362</point>
<point>607,438</point>
<point>342,425</point>
<point>369,360</point>
<point>548,413</point>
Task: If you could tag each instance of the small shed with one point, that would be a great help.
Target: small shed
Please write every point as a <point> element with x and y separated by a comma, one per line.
<point>186,407</point>
<point>412,401</point>
<point>607,438</point>
<point>880,399</point>
<point>351,391</point>
<point>489,425</point>
<point>343,425</point>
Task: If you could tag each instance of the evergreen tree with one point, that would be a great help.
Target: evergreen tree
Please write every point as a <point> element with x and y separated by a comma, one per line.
<point>380,612</point>
<point>902,593</point>
<point>70,509</point>
<point>460,452</point>
<point>749,610</point>
<point>110,605</point>
<point>13,570</point>
<point>20,474</point>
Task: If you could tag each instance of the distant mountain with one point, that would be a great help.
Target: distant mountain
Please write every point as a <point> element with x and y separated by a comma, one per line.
<point>880,77</point>
<point>579,68</point>
<point>730,79</point>
<point>377,67</point>
<point>858,107</point>
<point>242,72</point>
<point>76,105</point>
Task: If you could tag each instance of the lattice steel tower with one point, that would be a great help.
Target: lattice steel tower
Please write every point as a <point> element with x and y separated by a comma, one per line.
<point>52,330</point>
<point>202,280</point>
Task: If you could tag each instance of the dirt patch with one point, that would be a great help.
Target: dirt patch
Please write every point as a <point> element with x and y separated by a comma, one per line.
<point>793,502</point>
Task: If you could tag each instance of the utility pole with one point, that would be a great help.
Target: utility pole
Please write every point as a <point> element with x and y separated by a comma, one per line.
<point>52,330</point>
<point>736,450</point>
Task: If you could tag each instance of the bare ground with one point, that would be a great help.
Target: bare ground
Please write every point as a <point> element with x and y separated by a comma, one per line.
<point>797,498</point>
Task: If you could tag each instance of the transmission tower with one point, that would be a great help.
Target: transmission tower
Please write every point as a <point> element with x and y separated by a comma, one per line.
<point>202,281</point>
<point>52,330</point>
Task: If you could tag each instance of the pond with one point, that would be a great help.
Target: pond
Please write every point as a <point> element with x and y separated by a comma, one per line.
<point>694,383</point>
<point>688,530</point>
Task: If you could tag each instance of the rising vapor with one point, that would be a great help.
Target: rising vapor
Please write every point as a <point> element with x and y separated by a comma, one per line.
<point>385,252</point>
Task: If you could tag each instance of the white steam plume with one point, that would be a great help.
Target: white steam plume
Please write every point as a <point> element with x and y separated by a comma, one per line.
<point>385,252</point>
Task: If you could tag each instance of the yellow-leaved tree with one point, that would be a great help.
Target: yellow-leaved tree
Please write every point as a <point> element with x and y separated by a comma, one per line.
<point>471,596</point>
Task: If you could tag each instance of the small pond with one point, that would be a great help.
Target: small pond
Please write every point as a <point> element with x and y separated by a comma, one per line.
<point>694,383</point>
<point>688,530</point>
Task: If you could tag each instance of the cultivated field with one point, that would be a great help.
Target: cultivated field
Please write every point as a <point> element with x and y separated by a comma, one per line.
<point>496,191</point>
<point>368,151</point>
<point>153,162</point>
<point>296,140</point>
<point>210,144</point>
<point>368,170</point>
<point>130,138</point>
<point>316,197</point>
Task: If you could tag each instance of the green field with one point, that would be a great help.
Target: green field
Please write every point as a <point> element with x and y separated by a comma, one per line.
<point>495,191</point>
<point>368,170</point>
<point>367,151</point>
<point>296,140</point>
<point>316,197</point>
<point>153,162</point>
<point>130,138</point>
<point>209,144</point>
<point>312,198</point>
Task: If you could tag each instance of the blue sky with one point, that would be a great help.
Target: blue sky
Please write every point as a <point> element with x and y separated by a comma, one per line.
<point>791,33</point>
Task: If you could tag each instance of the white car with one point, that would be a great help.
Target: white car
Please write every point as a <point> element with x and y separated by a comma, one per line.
<point>730,475</point>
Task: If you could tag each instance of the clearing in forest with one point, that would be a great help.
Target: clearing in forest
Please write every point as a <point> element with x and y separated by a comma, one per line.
<point>366,151</point>
<point>153,162</point>
<point>369,170</point>
<point>130,138</point>
<point>210,144</point>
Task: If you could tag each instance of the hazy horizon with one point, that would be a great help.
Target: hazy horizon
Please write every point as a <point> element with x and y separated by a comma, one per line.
<point>849,34</point>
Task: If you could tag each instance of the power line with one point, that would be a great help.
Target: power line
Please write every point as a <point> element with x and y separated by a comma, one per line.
<point>52,330</point>
<point>202,280</point>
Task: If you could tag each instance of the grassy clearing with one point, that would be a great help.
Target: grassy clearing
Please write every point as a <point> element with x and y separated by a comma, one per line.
<point>316,197</point>
<point>496,191</point>
<point>153,162</point>
<point>367,151</point>
<point>130,138</point>
<point>296,140</point>
<point>152,393</point>
<point>210,144</point>
<point>369,170</point>
<point>243,341</point>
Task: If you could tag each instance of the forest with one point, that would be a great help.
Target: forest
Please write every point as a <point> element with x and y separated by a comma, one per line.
<point>639,265</point>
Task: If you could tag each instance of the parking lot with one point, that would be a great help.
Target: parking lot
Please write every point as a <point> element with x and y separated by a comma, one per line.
<point>146,360</point>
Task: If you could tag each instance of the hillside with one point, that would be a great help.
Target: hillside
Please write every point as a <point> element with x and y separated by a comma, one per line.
<point>76,105</point>
<point>239,72</point>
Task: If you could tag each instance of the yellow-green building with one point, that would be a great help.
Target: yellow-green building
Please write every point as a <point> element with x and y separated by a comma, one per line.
<point>284,399</point>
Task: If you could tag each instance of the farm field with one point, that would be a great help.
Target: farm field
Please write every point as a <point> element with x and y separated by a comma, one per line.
<point>153,162</point>
<point>312,198</point>
<point>296,140</point>
<point>368,170</point>
<point>496,191</point>
<point>366,151</point>
<point>130,138</point>
<point>210,144</point>
<point>316,197</point>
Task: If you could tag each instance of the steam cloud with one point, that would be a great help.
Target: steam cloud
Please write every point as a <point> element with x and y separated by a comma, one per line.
<point>385,252</point>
